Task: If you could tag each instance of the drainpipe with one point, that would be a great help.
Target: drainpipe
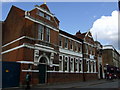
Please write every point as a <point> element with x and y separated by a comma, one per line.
<point>83,60</point>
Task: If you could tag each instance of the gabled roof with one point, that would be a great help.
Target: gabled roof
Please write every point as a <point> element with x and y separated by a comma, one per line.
<point>45,7</point>
<point>15,9</point>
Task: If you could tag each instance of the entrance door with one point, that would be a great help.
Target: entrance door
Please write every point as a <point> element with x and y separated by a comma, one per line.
<point>42,73</point>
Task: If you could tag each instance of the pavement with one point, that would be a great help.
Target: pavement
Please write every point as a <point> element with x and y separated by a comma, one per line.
<point>64,85</point>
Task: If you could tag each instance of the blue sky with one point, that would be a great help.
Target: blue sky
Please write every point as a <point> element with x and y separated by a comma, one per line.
<point>73,16</point>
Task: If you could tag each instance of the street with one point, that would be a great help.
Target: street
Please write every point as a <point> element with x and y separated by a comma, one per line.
<point>103,84</point>
<point>109,84</point>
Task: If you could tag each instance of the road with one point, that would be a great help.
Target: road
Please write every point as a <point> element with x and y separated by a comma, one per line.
<point>102,84</point>
<point>109,84</point>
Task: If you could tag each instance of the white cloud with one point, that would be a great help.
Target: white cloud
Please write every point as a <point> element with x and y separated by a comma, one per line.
<point>106,29</point>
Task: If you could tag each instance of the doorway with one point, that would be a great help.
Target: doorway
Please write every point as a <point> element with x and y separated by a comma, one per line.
<point>42,70</point>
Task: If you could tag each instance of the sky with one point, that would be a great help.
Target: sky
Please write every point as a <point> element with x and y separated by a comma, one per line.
<point>101,18</point>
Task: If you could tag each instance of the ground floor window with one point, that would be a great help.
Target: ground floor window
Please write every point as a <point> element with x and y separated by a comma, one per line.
<point>80,66</point>
<point>72,64</point>
<point>76,65</point>
<point>61,63</point>
<point>66,64</point>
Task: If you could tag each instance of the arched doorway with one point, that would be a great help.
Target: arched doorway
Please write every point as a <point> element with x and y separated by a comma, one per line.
<point>42,69</point>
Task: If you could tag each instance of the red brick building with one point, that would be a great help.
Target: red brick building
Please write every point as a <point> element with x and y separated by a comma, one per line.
<point>33,38</point>
<point>89,55</point>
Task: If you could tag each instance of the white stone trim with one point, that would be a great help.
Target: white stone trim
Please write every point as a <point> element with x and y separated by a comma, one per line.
<point>15,48</point>
<point>70,52</point>
<point>63,72</point>
<point>28,46</point>
<point>70,38</point>
<point>13,41</point>
<point>30,70</point>
<point>90,72</point>
<point>44,46</point>
<point>55,65</point>
<point>39,8</point>
<point>36,21</point>
<point>25,62</point>
<point>89,44</point>
<point>17,40</point>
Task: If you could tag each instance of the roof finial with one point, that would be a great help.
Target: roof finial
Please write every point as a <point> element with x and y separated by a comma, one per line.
<point>44,1</point>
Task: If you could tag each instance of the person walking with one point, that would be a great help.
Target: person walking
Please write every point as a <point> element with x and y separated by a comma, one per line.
<point>28,79</point>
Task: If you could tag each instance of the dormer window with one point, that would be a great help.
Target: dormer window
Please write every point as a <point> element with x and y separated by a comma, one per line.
<point>41,14</point>
<point>47,17</point>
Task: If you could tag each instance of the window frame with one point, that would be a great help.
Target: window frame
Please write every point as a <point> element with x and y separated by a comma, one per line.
<point>40,34</point>
<point>47,37</point>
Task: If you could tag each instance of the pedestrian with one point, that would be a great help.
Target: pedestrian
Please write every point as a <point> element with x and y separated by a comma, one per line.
<point>28,79</point>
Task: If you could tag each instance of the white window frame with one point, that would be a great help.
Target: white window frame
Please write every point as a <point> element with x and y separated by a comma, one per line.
<point>60,39</point>
<point>81,62</point>
<point>72,61</point>
<point>42,14</point>
<point>61,60</point>
<point>47,34</point>
<point>66,41</point>
<point>71,43</point>
<point>67,61</point>
<point>40,33</point>
<point>47,17</point>
<point>76,45</point>
<point>77,63</point>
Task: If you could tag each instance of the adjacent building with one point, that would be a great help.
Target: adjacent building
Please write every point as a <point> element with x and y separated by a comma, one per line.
<point>111,61</point>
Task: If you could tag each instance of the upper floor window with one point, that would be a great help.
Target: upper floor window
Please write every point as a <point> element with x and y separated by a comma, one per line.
<point>48,34</point>
<point>40,32</point>
<point>47,17</point>
<point>86,48</point>
<point>60,41</point>
<point>76,46</point>
<point>41,13</point>
<point>66,43</point>
<point>71,44</point>
<point>79,48</point>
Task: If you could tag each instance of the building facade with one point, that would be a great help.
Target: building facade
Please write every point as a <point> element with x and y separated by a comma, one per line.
<point>89,56</point>
<point>111,61</point>
<point>100,66</point>
<point>34,39</point>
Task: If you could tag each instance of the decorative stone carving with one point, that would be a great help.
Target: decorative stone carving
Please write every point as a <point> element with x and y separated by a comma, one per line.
<point>36,56</point>
<point>51,58</point>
